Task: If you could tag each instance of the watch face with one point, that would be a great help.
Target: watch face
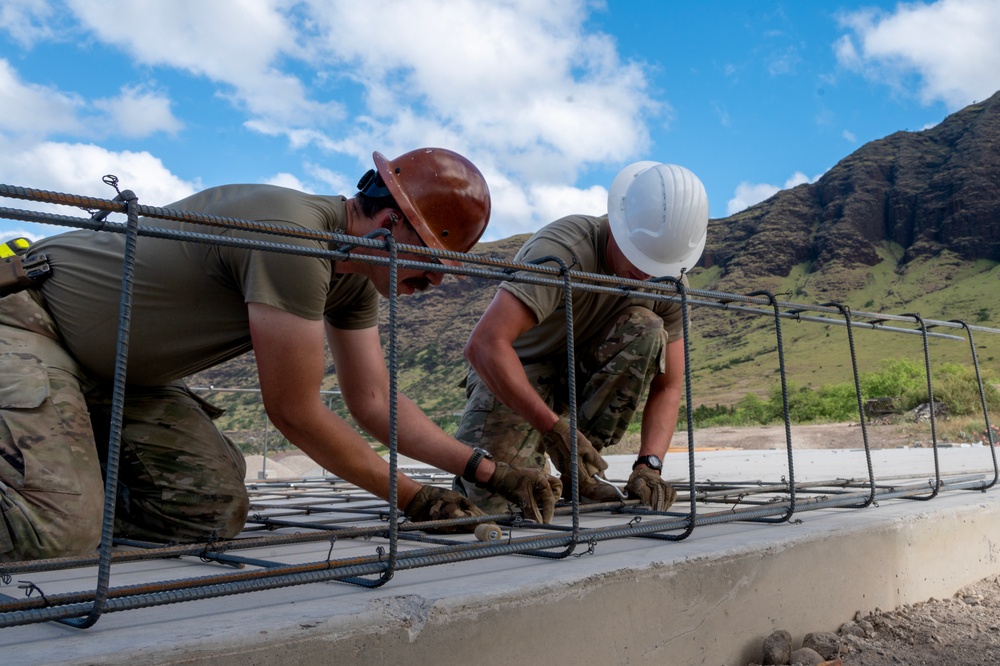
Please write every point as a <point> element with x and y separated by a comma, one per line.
<point>652,462</point>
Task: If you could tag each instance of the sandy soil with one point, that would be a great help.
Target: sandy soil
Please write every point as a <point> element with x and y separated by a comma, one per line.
<point>825,436</point>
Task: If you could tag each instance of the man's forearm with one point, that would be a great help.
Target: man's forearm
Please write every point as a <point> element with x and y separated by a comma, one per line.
<point>659,421</point>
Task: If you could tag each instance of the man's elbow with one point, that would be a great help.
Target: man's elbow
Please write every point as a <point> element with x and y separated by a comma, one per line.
<point>471,350</point>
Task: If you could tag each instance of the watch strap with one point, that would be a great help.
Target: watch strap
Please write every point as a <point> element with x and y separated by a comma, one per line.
<point>470,467</point>
<point>652,462</point>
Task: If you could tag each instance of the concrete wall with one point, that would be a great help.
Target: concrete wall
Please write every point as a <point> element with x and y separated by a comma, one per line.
<point>701,607</point>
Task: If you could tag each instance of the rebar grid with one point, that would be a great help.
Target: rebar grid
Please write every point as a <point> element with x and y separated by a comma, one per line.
<point>307,518</point>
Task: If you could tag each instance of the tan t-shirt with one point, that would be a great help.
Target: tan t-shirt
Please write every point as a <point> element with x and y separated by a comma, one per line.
<point>189,308</point>
<point>580,241</point>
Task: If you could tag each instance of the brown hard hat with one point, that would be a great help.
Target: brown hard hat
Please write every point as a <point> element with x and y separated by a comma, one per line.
<point>442,194</point>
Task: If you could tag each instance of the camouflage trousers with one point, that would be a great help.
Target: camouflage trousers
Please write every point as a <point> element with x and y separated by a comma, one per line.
<point>180,479</point>
<point>612,375</point>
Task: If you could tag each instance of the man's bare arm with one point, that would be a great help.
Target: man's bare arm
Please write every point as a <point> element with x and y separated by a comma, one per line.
<point>490,351</point>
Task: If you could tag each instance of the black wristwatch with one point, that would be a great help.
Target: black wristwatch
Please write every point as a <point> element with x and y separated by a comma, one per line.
<point>470,467</point>
<point>652,462</point>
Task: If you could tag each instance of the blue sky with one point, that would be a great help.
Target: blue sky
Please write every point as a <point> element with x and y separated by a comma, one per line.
<point>550,98</point>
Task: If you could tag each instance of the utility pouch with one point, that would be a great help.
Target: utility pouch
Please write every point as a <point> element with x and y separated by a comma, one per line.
<point>18,272</point>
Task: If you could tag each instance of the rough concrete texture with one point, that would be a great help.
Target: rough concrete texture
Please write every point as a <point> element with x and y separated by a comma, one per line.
<point>708,599</point>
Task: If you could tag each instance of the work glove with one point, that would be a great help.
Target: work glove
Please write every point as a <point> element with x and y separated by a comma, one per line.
<point>531,489</point>
<point>649,488</point>
<point>433,503</point>
<point>589,461</point>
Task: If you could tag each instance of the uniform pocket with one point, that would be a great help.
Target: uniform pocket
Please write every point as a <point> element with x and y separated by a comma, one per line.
<point>45,435</point>
<point>25,382</point>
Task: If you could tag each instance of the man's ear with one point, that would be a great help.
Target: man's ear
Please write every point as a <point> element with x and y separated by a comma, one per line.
<point>392,219</point>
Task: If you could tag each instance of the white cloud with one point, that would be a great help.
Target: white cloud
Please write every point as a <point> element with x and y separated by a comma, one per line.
<point>286,180</point>
<point>534,91</point>
<point>950,45</point>
<point>522,87</point>
<point>850,136</point>
<point>552,202</point>
<point>747,194</point>
<point>137,113</point>
<point>35,109</point>
<point>28,21</point>
<point>79,169</point>
<point>236,43</point>
<point>42,111</point>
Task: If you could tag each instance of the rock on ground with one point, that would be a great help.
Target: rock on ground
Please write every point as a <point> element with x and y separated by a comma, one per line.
<point>961,631</point>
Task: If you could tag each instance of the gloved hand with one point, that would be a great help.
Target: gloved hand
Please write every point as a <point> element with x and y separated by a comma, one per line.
<point>531,489</point>
<point>589,462</point>
<point>646,485</point>
<point>433,503</point>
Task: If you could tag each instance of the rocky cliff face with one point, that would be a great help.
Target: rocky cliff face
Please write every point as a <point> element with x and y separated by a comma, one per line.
<point>928,191</point>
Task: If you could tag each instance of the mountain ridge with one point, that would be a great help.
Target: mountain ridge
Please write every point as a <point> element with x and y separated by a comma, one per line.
<point>907,223</point>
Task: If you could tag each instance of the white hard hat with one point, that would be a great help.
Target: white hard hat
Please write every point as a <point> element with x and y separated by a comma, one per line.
<point>659,217</point>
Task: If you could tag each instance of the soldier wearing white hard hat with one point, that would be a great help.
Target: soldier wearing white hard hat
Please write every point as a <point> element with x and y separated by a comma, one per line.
<point>626,347</point>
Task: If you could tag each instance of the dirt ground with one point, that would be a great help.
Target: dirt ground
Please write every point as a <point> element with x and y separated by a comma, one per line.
<point>961,631</point>
<point>824,436</point>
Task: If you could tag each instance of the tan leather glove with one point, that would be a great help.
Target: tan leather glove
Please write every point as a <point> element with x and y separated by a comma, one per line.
<point>589,462</point>
<point>531,489</point>
<point>646,485</point>
<point>433,503</point>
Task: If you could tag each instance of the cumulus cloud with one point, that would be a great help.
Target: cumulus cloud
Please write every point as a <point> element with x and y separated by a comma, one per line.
<point>535,92</point>
<point>747,194</point>
<point>35,109</point>
<point>949,47</point>
<point>137,112</point>
<point>43,111</point>
<point>232,42</point>
<point>523,87</point>
<point>79,169</point>
<point>28,21</point>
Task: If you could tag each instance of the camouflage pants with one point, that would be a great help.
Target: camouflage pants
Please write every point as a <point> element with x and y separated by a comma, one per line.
<point>612,375</point>
<point>180,479</point>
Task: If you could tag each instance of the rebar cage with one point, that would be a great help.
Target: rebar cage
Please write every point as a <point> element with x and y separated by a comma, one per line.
<point>297,526</point>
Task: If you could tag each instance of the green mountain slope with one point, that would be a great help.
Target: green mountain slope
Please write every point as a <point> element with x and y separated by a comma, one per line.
<point>909,223</point>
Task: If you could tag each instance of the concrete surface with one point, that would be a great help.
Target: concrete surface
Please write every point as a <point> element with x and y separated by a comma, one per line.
<point>708,599</point>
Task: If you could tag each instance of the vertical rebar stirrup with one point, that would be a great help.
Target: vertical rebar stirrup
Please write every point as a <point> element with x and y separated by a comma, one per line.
<point>986,411</point>
<point>846,312</point>
<point>688,411</point>
<point>784,408</point>
<point>393,362</point>
<point>930,404</point>
<point>117,408</point>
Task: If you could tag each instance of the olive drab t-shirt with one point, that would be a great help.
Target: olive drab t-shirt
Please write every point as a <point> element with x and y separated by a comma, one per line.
<point>580,241</point>
<point>189,307</point>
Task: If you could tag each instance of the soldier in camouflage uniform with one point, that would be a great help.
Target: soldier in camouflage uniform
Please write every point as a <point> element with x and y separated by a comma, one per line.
<point>195,305</point>
<point>625,347</point>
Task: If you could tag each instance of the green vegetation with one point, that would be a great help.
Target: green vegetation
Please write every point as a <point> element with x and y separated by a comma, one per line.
<point>901,381</point>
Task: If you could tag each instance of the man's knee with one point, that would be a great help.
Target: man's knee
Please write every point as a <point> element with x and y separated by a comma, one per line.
<point>36,526</point>
<point>638,321</point>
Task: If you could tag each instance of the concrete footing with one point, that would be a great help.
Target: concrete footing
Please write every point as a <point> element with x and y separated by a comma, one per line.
<point>708,599</point>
